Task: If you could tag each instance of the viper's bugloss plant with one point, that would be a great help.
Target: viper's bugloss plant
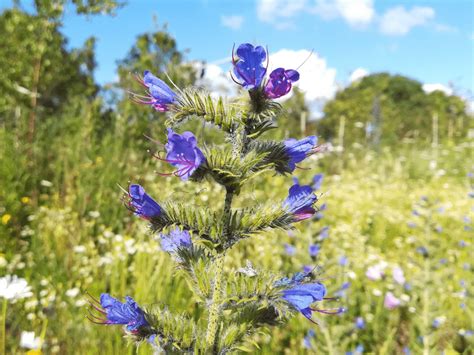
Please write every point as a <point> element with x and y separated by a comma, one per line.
<point>233,305</point>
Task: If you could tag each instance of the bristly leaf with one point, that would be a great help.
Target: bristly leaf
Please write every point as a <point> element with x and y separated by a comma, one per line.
<point>261,109</point>
<point>232,171</point>
<point>194,264</point>
<point>208,225</point>
<point>197,103</point>
<point>246,222</point>
<point>203,223</point>
<point>174,333</point>
<point>255,129</point>
<point>276,154</point>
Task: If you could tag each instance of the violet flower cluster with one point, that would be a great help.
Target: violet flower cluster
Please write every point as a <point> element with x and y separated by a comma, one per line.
<point>180,232</point>
<point>250,66</point>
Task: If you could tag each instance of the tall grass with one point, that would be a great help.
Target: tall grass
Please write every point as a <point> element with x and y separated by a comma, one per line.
<point>69,233</point>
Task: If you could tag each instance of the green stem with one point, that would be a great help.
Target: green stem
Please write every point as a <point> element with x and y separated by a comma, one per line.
<point>215,308</point>
<point>3,326</point>
<point>327,338</point>
<point>214,311</point>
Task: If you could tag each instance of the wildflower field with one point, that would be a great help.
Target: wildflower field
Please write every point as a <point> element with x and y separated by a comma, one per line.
<point>397,252</point>
<point>260,231</point>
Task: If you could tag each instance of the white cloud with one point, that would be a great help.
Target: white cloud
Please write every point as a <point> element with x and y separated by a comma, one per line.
<point>280,12</point>
<point>398,21</point>
<point>215,79</point>
<point>233,22</point>
<point>317,80</point>
<point>358,74</point>
<point>428,88</point>
<point>355,12</point>
<point>271,10</point>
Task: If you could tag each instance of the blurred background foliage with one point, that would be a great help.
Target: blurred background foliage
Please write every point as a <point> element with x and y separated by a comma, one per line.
<point>67,142</point>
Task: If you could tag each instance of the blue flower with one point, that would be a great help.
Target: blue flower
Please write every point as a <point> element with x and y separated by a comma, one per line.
<point>324,233</point>
<point>248,66</point>
<point>317,181</point>
<point>290,249</point>
<point>298,150</point>
<point>360,323</point>
<point>314,250</point>
<point>300,202</point>
<point>280,82</point>
<point>159,94</point>
<point>307,339</point>
<point>303,296</point>
<point>319,214</point>
<point>115,312</point>
<point>141,203</point>
<point>296,279</point>
<point>175,240</point>
<point>342,291</point>
<point>343,260</point>
<point>183,153</point>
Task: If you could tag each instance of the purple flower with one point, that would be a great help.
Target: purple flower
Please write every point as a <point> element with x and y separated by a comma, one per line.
<point>298,150</point>
<point>159,94</point>
<point>398,275</point>
<point>300,202</point>
<point>314,250</point>
<point>376,272</point>
<point>324,233</point>
<point>175,240</point>
<point>280,82</point>
<point>308,268</point>
<point>248,66</point>
<point>307,339</point>
<point>342,291</point>
<point>183,153</point>
<point>343,260</point>
<point>390,301</point>
<point>141,203</point>
<point>360,323</point>
<point>112,311</point>
<point>290,249</point>
<point>319,214</point>
<point>317,182</point>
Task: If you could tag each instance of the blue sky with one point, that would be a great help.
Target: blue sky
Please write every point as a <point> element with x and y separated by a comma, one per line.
<point>431,41</point>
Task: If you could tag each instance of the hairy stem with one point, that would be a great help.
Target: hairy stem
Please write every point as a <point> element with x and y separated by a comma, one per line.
<point>215,308</point>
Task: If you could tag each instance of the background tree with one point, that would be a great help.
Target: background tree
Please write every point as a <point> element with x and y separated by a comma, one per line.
<point>156,51</point>
<point>395,107</point>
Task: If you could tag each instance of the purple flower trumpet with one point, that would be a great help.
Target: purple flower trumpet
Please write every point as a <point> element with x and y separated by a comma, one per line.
<point>280,82</point>
<point>248,66</point>
<point>175,240</point>
<point>183,153</point>
<point>113,312</point>
<point>141,203</point>
<point>300,202</point>
<point>298,150</point>
<point>302,296</point>
<point>159,95</point>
